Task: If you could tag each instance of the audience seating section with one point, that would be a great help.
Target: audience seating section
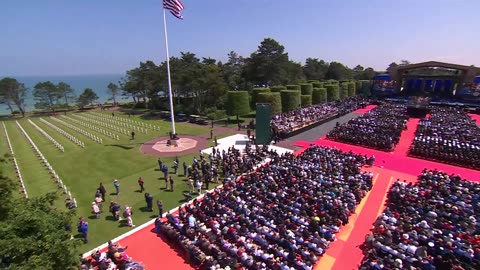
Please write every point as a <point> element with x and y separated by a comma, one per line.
<point>433,224</point>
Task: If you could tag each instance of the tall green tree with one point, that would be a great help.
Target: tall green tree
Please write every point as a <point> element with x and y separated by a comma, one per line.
<point>338,71</point>
<point>46,95</point>
<point>33,232</point>
<point>13,93</point>
<point>113,90</point>
<point>87,97</point>
<point>269,64</point>
<point>315,69</point>
<point>66,91</point>
<point>233,71</point>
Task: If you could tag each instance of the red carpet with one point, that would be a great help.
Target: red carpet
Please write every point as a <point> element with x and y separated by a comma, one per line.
<point>408,165</point>
<point>146,247</point>
<point>407,138</point>
<point>475,117</point>
<point>366,109</point>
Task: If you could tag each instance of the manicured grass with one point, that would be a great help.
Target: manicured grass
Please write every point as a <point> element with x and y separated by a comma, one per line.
<point>82,169</point>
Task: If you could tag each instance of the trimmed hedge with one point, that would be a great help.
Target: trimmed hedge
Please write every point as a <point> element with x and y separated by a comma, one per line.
<point>343,90</point>
<point>306,88</point>
<point>318,84</point>
<point>313,81</point>
<point>290,100</point>
<point>365,89</point>
<point>293,87</point>
<point>351,89</point>
<point>332,92</point>
<point>272,98</point>
<point>306,100</point>
<point>255,92</point>
<point>358,86</point>
<point>319,95</point>
<point>237,103</point>
<point>277,88</point>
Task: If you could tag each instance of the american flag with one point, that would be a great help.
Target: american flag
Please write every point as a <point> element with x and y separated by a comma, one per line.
<point>174,6</point>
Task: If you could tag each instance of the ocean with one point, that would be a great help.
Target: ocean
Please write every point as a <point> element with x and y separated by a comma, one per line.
<point>78,82</point>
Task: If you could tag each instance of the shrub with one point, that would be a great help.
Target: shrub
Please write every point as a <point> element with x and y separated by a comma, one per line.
<point>255,93</point>
<point>293,87</point>
<point>237,103</point>
<point>343,90</point>
<point>277,88</point>
<point>313,81</point>
<point>351,89</point>
<point>318,84</point>
<point>306,100</point>
<point>306,88</point>
<point>332,92</point>
<point>319,95</point>
<point>290,100</point>
<point>272,98</point>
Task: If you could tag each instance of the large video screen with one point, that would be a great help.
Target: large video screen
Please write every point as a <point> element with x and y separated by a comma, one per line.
<point>383,85</point>
<point>471,91</point>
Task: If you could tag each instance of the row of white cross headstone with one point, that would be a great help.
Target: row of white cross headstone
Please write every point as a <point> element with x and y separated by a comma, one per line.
<point>79,130</point>
<point>117,124</point>
<point>46,135</point>
<point>95,128</point>
<point>47,165</point>
<point>128,121</point>
<point>15,164</point>
<point>64,133</point>
<point>100,123</point>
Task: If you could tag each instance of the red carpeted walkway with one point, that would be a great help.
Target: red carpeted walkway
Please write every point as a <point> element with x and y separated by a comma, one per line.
<point>145,246</point>
<point>366,109</point>
<point>475,117</point>
<point>408,165</point>
<point>406,138</point>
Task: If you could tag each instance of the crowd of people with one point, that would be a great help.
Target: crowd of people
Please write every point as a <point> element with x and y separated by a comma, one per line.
<point>283,215</point>
<point>379,129</point>
<point>449,135</point>
<point>285,123</point>
<point>114,258</point>
<point>433,224</point>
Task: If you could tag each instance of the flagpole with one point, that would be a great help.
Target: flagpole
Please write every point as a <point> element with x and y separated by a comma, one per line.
<point>172,116</point>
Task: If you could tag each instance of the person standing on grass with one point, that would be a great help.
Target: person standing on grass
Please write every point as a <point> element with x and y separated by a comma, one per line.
<point>199,187</point>
<point>175,166</point>
<point>160,208</point>
<point>117,186</point>
<point>83,229</point>
<point>128,215</point>
<point>99,201</point>
<point>95,210</point>
<point>133,135</point>
<point>140,183</point>
<point>190,184</point>
<point>171,183</point>
<point>165,171</point>
<point>160,164</point>
<point>149,201</point>
<point>103,191</point>
<point>211,133</point>
<point>185,168</point>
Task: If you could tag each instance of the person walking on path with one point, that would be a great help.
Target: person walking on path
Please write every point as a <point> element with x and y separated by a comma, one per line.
<point>140,183</point>
<point>149,201</point>
<point>211,133</point>
<point>160,208</point>
<point>117,186</point>
<point>103,191</point>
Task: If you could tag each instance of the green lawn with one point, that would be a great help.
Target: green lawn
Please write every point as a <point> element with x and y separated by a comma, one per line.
<point>82,169</point>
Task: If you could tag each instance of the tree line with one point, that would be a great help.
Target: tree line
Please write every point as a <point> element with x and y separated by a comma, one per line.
<point>199,84</point>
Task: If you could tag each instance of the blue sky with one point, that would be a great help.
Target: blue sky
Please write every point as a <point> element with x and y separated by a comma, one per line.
<point>60,37</point>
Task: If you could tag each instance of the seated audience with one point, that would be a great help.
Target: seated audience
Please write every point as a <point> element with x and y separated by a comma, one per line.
<point>449,135</point>
<point>282,216</point>
<point>380,128</point>
<point>285,123</point>
<point>434,224</point>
